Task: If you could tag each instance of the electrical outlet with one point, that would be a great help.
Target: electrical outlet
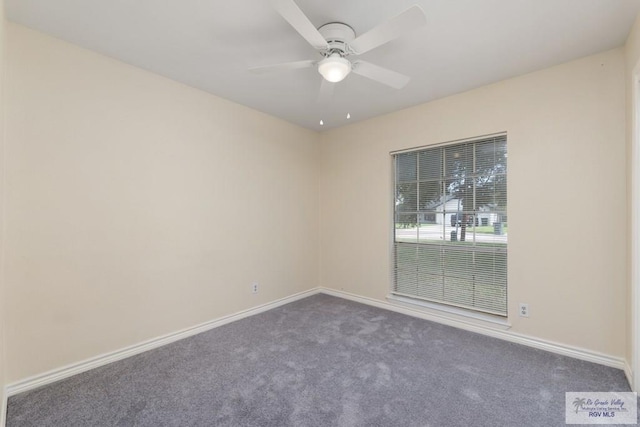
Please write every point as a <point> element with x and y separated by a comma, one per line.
<point>523,310</point>
<point>254,288</point>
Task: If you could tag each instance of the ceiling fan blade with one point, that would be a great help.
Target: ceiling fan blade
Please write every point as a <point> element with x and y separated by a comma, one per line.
<point>380,74</point>
<point>408,20</point>
<point>326,92</point>
<point>283,67</point>
<point>298,20</point>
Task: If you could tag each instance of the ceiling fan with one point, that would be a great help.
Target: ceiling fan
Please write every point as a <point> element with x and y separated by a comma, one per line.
<point>337,41</point>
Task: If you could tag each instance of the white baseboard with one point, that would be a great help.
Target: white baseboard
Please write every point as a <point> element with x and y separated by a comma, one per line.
<point>3,407</point>
<point>628,372</point>
<point>487,329</point>
<point>104,359</point>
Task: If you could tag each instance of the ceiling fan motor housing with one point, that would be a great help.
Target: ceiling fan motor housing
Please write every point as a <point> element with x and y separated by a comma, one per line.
<point>338,36</point>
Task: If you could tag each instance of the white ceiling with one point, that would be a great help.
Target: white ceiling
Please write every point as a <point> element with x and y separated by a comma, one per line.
<point>210,44</point>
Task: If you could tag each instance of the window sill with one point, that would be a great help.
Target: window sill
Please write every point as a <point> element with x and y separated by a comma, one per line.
<point>450,313</point>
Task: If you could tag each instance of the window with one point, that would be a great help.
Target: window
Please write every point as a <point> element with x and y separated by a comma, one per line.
<point>450,230</point>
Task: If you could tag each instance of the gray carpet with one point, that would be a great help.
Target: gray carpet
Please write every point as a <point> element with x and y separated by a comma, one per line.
<point>322,361</point>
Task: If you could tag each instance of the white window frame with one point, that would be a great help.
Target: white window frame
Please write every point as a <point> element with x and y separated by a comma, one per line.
<point>434,304</point>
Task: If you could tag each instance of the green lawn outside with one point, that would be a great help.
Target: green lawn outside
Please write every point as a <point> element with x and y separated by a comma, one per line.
<point>487,229</point>
<point>482,229</point>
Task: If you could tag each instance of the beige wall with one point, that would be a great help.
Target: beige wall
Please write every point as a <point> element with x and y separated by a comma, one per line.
<point>138,206</point>
<point>632,52</point>
<point>2,282</point>
<point>567,192</point>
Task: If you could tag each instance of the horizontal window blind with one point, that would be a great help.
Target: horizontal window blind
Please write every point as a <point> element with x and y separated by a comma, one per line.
<point>450,228</point>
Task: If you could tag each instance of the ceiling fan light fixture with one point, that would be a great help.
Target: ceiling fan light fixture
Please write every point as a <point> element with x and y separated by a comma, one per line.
<point>334,68</point>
